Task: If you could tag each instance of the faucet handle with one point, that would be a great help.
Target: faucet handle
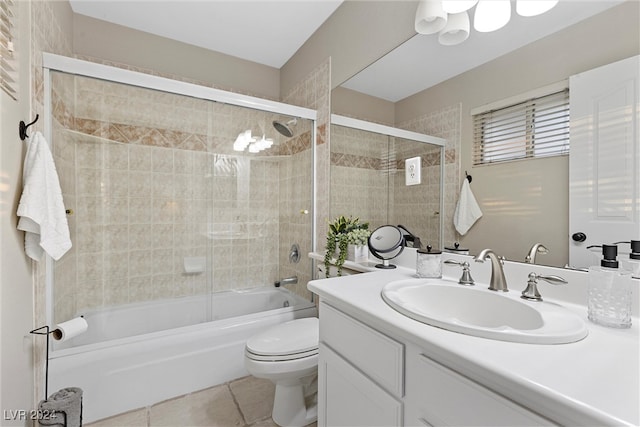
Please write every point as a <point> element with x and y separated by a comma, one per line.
<point>531,292</point>
<point>466,278</point>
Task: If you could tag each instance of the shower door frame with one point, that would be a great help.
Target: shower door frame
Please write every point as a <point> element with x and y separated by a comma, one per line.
<point>73,66</point>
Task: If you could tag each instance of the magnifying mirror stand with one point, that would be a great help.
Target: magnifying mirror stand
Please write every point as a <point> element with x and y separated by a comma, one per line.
<point>385,265</point>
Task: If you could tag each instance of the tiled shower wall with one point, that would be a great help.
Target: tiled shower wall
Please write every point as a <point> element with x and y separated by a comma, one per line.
<point>359,178</point>
<point>152,179</point>
<point>359,175</point>
<point>313,92</point>
<point>417,207</point>
<point>445,124</point>
<point>368,181</point>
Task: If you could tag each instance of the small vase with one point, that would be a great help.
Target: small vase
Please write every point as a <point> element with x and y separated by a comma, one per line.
<point>358,253</point>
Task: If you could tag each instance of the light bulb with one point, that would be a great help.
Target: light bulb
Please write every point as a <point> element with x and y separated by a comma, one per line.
<point>534,7</point>
<point>457,6</point>
<point>491,15</point>
<point>430,18</point>
<point>456,31</point>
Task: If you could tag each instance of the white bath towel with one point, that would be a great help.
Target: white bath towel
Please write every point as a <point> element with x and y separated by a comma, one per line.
<point>41,209</point>
<point>467,210</point>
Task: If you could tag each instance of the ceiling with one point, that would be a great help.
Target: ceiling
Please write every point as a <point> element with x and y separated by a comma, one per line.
<point>270,32</point>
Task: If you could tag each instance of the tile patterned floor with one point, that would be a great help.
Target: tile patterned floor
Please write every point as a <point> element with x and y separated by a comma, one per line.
<point>246,402</point>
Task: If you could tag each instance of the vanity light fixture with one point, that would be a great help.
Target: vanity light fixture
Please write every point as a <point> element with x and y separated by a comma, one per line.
<point>456,31</point>
<point>491,15</point>
<point>534,7</point>
<point>450,18</point>
<point>457,6</point>
<point>430,17</point>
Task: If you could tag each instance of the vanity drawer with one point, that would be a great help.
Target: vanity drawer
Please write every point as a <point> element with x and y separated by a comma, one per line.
<point>376,355</point>
<point>440,396</point>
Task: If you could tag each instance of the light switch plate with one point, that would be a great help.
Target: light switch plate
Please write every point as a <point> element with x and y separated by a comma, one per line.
<point>412,171</point>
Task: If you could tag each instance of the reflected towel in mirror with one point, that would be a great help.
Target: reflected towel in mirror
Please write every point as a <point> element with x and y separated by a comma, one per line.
<point>467,210</point>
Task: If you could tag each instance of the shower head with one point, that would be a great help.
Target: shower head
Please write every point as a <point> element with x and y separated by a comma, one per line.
<point>285,128</point>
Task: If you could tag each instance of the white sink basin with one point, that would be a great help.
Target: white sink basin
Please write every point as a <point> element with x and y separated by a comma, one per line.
<point>483,313</point>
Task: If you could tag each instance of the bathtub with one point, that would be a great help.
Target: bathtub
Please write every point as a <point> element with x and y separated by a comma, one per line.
<point>140,354</point>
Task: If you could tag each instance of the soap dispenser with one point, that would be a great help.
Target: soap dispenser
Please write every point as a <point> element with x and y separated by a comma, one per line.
<point>609,300</point>
<point>633,263</point>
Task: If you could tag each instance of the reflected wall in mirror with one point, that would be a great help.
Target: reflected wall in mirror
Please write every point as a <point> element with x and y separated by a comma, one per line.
<point>526,201</point>
<point>368,180</point>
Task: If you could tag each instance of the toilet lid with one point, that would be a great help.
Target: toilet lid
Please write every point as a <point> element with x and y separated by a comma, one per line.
<point>295,336</point>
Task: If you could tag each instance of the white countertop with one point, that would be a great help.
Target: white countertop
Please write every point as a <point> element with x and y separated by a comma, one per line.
<point>594,382</point>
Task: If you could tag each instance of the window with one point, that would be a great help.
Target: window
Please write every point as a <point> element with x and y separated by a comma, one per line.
<point>7,72</point>
<point>537,127</point>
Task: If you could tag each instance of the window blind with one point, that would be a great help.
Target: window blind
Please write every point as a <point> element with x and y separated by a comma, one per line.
<point>537,127</point>
<point>7,63</point>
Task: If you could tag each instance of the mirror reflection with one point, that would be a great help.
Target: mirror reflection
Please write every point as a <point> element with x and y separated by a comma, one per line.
<point>523,202</point>
<point>369,181</point>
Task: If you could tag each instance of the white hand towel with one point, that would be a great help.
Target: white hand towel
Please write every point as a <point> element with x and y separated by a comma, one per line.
<point>467,210</point>
<point>41,209</point>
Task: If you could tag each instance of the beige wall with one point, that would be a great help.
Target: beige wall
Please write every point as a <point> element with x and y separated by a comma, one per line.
<point>348,102</point>
<point>114,43</point>
<point>527,201</point>
<point>47,27</point>
<point>51,31</point>
<point>16,287</point>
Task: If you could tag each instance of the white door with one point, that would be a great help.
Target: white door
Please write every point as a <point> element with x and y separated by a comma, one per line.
<point>604,161</point>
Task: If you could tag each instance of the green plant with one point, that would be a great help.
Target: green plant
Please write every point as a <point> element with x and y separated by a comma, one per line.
<point>338,238</point>
<point>358,237</point>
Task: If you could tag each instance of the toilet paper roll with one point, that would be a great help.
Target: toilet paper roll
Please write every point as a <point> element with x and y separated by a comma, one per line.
<point>69,329</point>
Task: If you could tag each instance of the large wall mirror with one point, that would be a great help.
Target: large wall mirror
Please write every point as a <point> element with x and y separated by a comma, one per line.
<point>523,202</point>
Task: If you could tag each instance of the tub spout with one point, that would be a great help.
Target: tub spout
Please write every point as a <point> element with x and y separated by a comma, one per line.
<point>288,281</point>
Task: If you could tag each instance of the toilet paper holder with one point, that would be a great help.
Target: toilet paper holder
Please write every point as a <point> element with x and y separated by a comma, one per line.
<point>60,330</point>
<point>38,331</point>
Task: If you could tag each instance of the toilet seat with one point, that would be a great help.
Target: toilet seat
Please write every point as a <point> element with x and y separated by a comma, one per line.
<point>280,357</point>
<point>291,340</point>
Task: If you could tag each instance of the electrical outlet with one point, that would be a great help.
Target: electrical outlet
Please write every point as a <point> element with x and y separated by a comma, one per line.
<point>412,171</point>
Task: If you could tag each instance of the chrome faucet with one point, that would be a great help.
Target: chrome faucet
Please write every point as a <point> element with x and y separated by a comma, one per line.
<point>531,292</point>
<point>466,278</point>
<point>288,281</point>
<point>535,249</point>
<point>498,281</point>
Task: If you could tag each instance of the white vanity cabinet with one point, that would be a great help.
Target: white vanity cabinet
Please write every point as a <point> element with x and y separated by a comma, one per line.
<point>360,373</point>
<point>366,378</point>
<point>439,396</point>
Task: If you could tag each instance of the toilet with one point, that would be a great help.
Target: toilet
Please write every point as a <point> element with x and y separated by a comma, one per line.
<point>287,354</point>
